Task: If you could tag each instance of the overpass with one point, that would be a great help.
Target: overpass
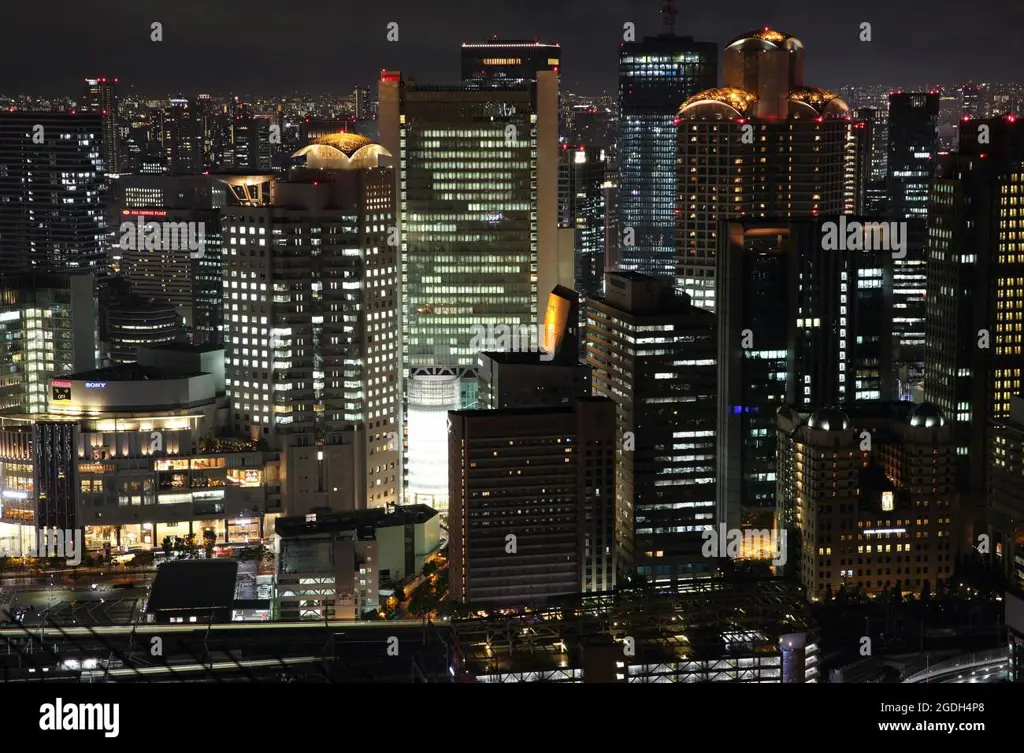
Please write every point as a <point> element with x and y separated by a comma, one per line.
<point>983,666</point>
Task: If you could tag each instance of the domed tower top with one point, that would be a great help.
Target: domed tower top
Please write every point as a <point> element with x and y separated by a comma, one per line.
<point>767,62</point>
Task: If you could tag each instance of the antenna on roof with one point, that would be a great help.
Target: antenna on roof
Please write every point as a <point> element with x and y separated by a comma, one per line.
<point>668,17</point>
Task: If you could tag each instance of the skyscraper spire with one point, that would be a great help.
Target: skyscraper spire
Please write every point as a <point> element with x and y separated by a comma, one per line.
<point>668,16</point>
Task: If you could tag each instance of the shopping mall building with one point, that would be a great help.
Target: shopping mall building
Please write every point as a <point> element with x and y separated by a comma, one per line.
<point>131,454</point>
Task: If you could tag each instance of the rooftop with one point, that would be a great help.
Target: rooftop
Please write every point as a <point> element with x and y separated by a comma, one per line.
<point>328,521</point>
<point>193,584</point>
<point>128,372</point>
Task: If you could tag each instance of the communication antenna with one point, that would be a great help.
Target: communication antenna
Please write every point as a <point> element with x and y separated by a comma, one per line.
<point>668,17</point>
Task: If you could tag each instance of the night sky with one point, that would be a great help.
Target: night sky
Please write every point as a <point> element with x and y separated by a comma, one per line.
<point>275,46</point>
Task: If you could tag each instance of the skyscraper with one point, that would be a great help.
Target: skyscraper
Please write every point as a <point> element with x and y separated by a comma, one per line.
<point>764,145</point>
<point>47,327</point>
<point>653,353</point>
<point>655,76</point>
<point>478,228</point>
<point>974,361</point>
<point>311,325</point>
<point>51,176</point>
<point>876,151</point>
<point>913,148</point>
<point>188,280</point>
<point>801,320</point>
<point>101,99</point>
<point>498,63</point>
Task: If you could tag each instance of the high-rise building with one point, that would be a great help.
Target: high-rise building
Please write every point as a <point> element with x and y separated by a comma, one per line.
<point>248,147</point>
<point>131,322</point>
<point>48,327</point>
<point>1006,492</point>
<point>100,98</point>
<point>186,271</point>
<point>801,320</point>
<point>587,209</point>
<point>478,227</point>
<point>180,132</point>
<point>913,147</point>
<point>974,361</point>
<point>868,493</point>
<point>499,63</point>
<point>655,76</point>
<point>876,151</point>
<point>764,145</point>
<point>311,324</point>
<point>654,354</point>
<point>532,502</point>
<point>51,177</point>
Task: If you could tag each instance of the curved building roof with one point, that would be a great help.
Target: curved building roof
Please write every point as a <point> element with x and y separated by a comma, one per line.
<point>767,37</point>
<point>342,151</point>
<point>829,419</point>
<point>739,100</point>
<point>349,143</point>
<point>927,415</point>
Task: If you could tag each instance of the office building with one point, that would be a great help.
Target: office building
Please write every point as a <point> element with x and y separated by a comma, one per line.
<point>1006,493</point>
<point>531,503</point>
<point>799,321</point>
<point>48,327</point>
<point>653,353</point>
<point>311,323</point>
<point>332,565</point>
<point>498,63</point>
<point>871,515</point>
<point>100,98</point>
<point>876,151</point>
<point>479,237</point>
<point>973,356</point>
<point>51,177</point>
<point>179,130</point>
<point>248,148</point>
<point>913,149</point>
<point>130,323</point>
<point>655,76</point>
<point>186,270</point>
<point>764,145</point>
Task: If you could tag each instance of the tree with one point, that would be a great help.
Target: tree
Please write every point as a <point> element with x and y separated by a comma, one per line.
<point>209,541</point>
<point>187,547</point>
<point>168,546</point>
<point>926,591</point>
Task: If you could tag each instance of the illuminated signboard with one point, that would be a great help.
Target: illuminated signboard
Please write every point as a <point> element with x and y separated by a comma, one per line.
<point>60,390</point>
<point>887,501</point>
<point>144,213</point>
<point>95,385</point>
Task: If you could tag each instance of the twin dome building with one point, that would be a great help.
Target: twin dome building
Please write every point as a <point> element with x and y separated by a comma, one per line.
<point>763,72</point>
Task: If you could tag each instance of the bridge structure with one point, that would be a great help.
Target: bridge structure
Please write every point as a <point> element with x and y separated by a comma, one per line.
<point>979,667</point>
